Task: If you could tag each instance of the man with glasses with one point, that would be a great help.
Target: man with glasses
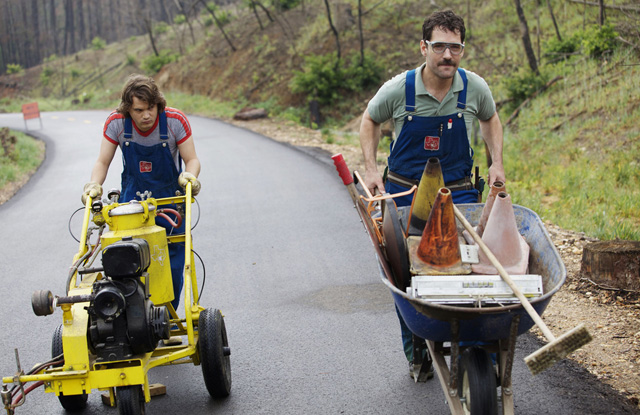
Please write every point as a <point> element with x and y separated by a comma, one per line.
<point>432,108</point>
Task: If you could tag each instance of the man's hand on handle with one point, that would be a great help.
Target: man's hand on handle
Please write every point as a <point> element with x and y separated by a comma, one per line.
<point>91,189</point>
<point>373,181</point>
<point>186,177</point>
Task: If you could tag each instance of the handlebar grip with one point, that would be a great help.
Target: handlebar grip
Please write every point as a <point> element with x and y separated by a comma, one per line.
<point>343,169</point>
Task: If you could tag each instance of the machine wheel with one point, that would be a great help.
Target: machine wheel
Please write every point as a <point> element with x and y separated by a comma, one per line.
<point>477,382</point>
<point>214,353</point>
<point>71,403</point>
<point>130,400</point>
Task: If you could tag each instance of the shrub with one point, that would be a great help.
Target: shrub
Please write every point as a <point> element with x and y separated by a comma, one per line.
<point>363,76</point>
<point>131,60</point>
<point>153,63</point>
<point>179,19</point>
<point>75,73</point>
<point>14,68</point>
<point>324,79</point>
<point>524,84</point>
<point>321,78</point>
<point>98,43</point>
<point>45,75</point>
<point>161,27</point>
<point>597,40</point>
<point>285,4</point>
<point>557,48</point>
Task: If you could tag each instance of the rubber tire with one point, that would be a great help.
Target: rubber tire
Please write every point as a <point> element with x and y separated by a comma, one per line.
<point>130,400</point>
<point>72,403</point>
<point>42,302</point>
<point>212,343</point>
<point>477,382</point>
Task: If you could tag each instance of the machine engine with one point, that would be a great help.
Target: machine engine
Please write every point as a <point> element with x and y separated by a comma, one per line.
<point>123,321</point>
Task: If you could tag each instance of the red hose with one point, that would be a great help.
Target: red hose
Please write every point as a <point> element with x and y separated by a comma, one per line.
<point>18,397</point>
<point>171,222</point>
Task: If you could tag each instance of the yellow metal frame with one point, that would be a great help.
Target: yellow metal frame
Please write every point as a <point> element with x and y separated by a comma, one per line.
<point>81,373</point>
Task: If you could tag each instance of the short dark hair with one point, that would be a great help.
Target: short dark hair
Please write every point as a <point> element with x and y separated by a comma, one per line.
<point>143,88</point>
<point>446,20</point>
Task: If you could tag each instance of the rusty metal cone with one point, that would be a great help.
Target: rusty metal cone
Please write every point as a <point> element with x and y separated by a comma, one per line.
<point>439,245</point>
<point>430,183</point>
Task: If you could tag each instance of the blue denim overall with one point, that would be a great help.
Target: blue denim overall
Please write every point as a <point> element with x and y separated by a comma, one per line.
<point>444,137</point>
<point>152,168</point>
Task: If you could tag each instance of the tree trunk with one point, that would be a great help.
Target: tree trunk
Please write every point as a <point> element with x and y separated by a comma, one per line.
<point>264,9</point>
<point>219,24</point>
<point>255,13</point>
<point>333,29</point>
<point>615,264</point>
<point>35,26</point>
<point>148,25</point>
<point>360,33</point>
<point>526,40</point>
<point>601,15</point>
<point>553,19</point>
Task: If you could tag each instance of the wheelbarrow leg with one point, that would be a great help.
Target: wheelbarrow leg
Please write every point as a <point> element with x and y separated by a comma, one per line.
<point>448,378</point>
<point>507,352</point>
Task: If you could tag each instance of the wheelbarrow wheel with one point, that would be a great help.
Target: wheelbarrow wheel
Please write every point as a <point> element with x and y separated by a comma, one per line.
<point>72,403</point>
<point>130,400</point>
<point>213,347</point>
<point>477,382</point>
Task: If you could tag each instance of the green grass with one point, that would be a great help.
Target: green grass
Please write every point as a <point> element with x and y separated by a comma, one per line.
<point>25,158</point>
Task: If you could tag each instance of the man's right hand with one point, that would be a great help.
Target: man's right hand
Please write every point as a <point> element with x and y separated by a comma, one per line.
<point>373,181</point>
<point>91,189</point>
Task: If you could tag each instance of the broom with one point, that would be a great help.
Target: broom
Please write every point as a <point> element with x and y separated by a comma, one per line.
<point>558,347</point>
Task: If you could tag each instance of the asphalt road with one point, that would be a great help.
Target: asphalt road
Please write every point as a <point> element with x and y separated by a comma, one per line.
<point>311,327</point>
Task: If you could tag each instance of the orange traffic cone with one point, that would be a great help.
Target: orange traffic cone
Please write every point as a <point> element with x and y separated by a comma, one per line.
<point>503,239</point>
<point>430,183</point>
<point>496,188</point>
<point>438,250</point>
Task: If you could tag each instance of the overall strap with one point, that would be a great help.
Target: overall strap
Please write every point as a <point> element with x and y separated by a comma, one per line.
<point>162,124</point>
<point>462,97</point>
<point>410,91</point>
<point>128,128</point>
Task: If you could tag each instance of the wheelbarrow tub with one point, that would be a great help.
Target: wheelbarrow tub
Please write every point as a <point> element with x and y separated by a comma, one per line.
<point>432,321</point>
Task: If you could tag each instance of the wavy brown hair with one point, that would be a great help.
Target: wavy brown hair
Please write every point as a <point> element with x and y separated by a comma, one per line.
<point>144,88</point>
<point>446,20</point>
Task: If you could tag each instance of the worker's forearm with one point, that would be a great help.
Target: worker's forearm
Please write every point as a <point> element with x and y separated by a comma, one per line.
<point>369,140</point>
<point>492,135</point>
<point>193,166</point>
<point>99,172</point>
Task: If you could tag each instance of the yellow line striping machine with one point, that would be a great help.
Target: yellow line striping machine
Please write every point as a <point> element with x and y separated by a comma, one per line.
<point>118,319</point>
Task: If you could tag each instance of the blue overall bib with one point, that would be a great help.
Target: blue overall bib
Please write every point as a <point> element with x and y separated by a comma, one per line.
<point>444,137</point>
<point>152,168</point>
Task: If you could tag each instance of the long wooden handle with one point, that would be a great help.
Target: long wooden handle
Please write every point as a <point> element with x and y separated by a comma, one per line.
<point>516,290</point>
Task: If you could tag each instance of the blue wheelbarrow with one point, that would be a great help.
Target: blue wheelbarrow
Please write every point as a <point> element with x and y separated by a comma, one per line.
<point>471,347</point>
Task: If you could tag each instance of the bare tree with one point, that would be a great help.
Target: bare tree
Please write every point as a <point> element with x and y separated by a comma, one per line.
<point>186,13</point>
<point>334,30</point>
<point>212,10</point>
<point>553,19</point>
<point>360,33</point>
<point>148,25</point>
<point>526,40</point>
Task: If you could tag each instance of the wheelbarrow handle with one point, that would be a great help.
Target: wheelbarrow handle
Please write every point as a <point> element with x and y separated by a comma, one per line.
<point>345,175</point>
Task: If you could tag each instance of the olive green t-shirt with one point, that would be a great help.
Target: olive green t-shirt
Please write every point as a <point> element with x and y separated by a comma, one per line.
<point>389,101</point>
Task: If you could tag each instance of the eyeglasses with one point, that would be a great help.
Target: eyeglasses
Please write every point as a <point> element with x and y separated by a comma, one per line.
<point>439,47</point>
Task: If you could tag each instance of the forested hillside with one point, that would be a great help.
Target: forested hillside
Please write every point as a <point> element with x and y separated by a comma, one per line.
<point>565,75</point>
